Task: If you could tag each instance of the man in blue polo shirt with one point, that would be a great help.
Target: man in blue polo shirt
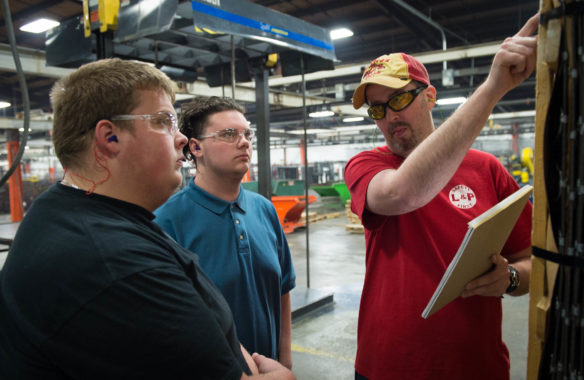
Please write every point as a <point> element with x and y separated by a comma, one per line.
<point>236,233</point>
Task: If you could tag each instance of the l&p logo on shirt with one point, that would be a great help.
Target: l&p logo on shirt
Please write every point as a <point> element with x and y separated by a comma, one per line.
<point>462,197</point>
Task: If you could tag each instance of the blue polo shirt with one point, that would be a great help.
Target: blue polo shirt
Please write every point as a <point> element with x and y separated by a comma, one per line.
<point>243,249</point>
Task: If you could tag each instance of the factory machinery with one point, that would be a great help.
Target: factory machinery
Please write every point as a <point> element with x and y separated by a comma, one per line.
<point>556,328</point>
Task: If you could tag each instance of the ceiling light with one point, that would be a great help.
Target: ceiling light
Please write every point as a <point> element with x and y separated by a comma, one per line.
<point>458,100</point>
<point>271,41</point>
<point>510,115</point>
<point>39,26</point>
<point>321,114</point>
<point>309,131</point>
<point>4,104</point>
<point>352,119</point>
<point>356,128</point>
<point>337,34</point>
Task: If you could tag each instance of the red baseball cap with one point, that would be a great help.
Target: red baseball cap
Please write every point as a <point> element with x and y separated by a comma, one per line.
<point>394,71</point>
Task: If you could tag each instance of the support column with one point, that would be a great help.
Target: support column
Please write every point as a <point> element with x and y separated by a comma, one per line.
<point>105,44</point>
<point>15,180</point>
<point>515,139</point>
<point>263,132</point>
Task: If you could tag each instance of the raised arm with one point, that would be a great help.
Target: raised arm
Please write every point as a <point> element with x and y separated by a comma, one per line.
<point>429,167</point>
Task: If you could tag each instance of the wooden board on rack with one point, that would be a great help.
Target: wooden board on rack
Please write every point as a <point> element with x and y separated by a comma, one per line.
<point>542,272</point>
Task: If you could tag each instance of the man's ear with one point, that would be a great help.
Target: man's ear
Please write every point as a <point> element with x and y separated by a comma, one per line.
<point>106,138</point>
<point>194,147</point>
<point>431,96</point>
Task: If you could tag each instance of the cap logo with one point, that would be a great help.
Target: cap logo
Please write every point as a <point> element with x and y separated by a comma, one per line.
<point>375,68</point>
<point>394,71</point>
<point>385,66</point>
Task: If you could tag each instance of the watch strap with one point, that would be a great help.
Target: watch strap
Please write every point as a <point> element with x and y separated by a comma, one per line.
<point>513,279</point>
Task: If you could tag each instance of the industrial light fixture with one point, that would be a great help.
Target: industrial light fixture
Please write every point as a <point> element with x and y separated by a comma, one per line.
<point>352,119</point>
<point>39,26</point>
<point>364,127</point>
<point>511,115</point>
<point>337,34</point>
<point>272,41</point>
<point>4,104</point>
<point>310,131</point>
<point>323,113</point>
<point>446,101</point>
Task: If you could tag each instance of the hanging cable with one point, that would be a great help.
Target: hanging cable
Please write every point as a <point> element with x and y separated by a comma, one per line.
<point>563,351</point>
<point>23,91</point>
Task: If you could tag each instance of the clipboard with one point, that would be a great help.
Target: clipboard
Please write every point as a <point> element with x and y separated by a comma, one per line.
<point>486,235</point>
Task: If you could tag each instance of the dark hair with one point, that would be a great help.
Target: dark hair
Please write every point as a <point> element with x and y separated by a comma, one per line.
<point>195,115</point>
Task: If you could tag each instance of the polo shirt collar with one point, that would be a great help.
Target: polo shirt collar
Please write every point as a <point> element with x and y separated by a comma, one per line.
<point>214,204</point>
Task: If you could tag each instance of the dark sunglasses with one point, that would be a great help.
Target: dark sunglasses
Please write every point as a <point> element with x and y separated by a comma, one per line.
<point>396,103</point>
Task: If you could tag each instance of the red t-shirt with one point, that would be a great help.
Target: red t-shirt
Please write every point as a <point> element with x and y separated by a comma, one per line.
<point>406,256</point>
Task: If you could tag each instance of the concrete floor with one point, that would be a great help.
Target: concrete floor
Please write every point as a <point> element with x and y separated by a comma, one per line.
<point>324,342</point>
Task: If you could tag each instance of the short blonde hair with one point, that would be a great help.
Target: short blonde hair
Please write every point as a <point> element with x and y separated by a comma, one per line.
<point>97,91</point>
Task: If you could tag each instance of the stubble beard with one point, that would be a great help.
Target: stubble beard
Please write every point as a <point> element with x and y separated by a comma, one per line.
<point>401,146</point>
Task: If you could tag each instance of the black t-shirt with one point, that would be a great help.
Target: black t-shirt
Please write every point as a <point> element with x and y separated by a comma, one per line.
<point>93,289</point>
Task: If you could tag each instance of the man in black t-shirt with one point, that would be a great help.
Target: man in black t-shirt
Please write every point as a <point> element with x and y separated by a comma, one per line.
<point>92,288</point>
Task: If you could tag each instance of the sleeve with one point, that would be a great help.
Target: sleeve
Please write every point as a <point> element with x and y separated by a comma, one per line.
<point>520,237</point>
<point>359,172</point>
<point>284,255</point>
<point>152,324</point>
<point>288,274</point>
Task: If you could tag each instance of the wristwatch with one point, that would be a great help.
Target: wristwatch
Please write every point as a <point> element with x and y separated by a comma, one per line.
<point>513,278</point>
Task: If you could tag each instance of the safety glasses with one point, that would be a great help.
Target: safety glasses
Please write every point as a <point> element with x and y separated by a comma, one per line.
<point>162,121</point>
<point>231,135</point>
<point>396,103</point>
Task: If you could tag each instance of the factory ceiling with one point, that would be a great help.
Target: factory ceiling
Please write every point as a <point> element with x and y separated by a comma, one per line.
<point>456,40</point>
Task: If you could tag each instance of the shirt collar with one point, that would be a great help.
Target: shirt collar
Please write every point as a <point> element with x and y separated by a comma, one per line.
<point>214,204</point>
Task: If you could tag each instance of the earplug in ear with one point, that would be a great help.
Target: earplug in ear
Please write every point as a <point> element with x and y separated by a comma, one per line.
<point>432,99</point>
<point>113,138</point>
<point>197,148</point>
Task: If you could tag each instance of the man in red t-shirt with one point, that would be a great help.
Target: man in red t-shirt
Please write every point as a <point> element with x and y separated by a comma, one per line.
<point>415,197</point>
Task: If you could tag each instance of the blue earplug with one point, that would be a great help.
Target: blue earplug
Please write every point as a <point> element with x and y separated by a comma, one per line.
<point>113,138</point>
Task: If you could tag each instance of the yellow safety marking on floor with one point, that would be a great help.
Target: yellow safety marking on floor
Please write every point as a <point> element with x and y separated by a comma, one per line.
<point>312,351</point>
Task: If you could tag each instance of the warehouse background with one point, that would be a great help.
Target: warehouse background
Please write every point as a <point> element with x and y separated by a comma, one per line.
<point>455,39</point>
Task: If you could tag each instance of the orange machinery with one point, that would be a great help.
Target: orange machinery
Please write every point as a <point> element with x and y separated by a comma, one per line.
<point>289,209</point>
<point>289,201</point>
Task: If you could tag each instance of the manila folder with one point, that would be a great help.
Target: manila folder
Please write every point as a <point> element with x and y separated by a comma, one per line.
<point>486,235</point>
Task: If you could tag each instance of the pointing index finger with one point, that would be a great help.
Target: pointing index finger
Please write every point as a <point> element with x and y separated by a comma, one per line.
<point>530,27</point>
